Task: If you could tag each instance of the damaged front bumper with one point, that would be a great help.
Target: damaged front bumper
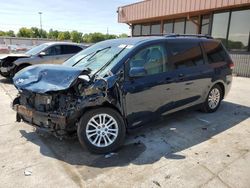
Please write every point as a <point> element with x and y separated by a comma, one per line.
<point>50,122</point>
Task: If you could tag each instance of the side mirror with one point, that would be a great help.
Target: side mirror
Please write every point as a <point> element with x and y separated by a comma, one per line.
<point>137,72</point>
<point>41,54</point>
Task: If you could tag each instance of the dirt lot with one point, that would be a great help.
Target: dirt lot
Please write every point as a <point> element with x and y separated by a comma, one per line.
<point>187,149</point>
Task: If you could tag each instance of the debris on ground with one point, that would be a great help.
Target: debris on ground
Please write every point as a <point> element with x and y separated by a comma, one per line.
<point>204,128</point>
<point>203,120</point>
<point>142,135</point>
<point>137,143</point>
<point>157,183</point>
<point>172,129</point>
<point>27,172</point>
<point>167,177</point>
<point>110,155</point>
<point>228,155</point>
<point>196,153</point>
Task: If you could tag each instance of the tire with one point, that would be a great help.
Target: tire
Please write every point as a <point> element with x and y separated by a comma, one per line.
<point>94,140</point>
<point>213,100</point>
<point>5,74</point>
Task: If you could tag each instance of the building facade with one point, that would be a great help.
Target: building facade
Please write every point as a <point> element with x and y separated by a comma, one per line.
<point>226,20</point>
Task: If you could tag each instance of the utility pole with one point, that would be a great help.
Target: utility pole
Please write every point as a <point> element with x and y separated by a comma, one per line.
<point>40,14</point>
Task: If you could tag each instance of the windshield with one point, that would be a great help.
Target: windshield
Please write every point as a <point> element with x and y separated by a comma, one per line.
<point>96,56</point>
<point>37,49</point>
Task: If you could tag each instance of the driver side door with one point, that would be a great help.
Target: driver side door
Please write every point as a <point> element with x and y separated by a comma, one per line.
<point>148,96</point>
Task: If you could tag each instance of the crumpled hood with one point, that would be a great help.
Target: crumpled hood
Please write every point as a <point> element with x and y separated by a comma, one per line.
<point>13,55</point>
<point>44,78</point>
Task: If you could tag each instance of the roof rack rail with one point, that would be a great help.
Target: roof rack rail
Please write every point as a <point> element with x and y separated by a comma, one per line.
<point>189,35</point>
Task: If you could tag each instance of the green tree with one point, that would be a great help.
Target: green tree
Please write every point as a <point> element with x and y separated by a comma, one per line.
<point>65,35</point>
<point>76,36</point>
<point>53,34</point>
<point>2,33</point>
<point>123,35</point>
<point>24,32</point>
<point>109,36</point>
<point>10,33</point>
<point>35,32</point>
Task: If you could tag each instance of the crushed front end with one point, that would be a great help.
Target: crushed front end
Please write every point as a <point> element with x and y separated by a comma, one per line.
<point>57,112</point>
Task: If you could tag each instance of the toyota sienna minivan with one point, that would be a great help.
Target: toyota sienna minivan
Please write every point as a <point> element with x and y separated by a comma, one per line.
<point>119,84</point>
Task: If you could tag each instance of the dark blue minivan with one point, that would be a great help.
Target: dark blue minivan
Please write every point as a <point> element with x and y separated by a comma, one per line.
<point>118,84</point>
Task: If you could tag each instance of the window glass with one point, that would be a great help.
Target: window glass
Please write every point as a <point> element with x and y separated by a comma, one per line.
<point>156,29</point>
<point>152,58</point>
<point>184,54</point>
<point>215,52</point>
<point>145,30</point>
<point>239,30</point>
<point>69,49</point>
<point>205,24</point>
<point>220,24</point>
<point>54,50</point>
<point>191,27</point>
<point>168,27</point>
<point>136,30</point>
<point>179,26</point>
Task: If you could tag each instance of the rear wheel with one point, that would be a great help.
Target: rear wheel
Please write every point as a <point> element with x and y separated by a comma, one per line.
<point>213,99</point>
<point>101,130</point>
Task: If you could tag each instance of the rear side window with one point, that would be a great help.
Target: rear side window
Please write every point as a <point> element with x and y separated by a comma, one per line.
<point>69,49</point>
<point>184,54</point>
<point>215,52</point>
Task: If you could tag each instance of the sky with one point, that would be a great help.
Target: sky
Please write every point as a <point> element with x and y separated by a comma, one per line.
<point>65,15</point>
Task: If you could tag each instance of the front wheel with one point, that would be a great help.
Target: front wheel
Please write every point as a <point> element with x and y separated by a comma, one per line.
<point>101,130</point>
<point>213,100</point>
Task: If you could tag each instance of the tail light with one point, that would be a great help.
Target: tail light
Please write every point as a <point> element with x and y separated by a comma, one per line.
<point>231,65</point>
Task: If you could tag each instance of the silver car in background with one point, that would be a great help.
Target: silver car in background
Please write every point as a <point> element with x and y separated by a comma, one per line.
<point>46,53</point>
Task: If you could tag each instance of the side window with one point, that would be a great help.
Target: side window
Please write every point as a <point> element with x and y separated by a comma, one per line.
<point>152,58</point>
<point>184,54</point>
<point>215,52</point>
<point>69,49</point>
<point>53,50</point>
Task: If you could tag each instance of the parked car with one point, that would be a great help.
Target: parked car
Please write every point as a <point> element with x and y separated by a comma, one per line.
<point>52,52</point>
<point>119,84</point>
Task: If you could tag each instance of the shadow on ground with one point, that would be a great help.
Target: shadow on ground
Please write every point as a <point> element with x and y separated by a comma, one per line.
<point>6,81</point>
<point>148,144</point>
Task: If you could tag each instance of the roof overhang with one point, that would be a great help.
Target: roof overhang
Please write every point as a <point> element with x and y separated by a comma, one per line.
<point>150,10</point>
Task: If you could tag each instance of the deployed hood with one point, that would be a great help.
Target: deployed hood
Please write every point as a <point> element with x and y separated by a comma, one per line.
<point>44,78</point>
<point>13,55</point>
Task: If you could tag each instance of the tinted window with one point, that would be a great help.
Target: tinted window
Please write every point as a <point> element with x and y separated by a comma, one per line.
<point>239,31</point>
<point>184,54</point>
<point>136,30</point>
<point>69,49</point>
<point>168,27</point>
<point>54,50</point>
<point>215,52</point>
<point>205,24</point>
<point>179,26</point>
<point>152,58</point>
<point>156,29</point>
<point>220,24</point>
<point>191,26</point>
<point>145,30</point>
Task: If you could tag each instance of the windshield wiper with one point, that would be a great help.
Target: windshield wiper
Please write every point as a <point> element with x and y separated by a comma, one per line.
<point>94,53</point>
<point>82,59</point>
<point>97,52</point>
<point>107,64</point>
